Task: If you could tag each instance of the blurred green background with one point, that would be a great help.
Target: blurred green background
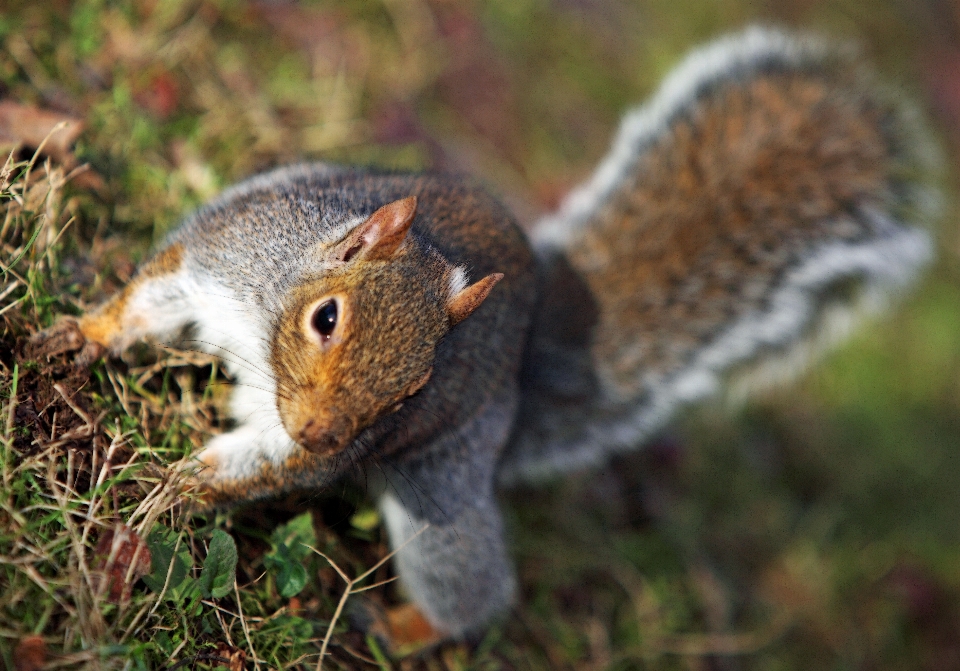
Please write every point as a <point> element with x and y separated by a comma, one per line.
<point>817,528</point>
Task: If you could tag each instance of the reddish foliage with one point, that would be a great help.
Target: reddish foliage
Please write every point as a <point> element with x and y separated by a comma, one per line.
<point>116,551</point>
<point>933,613</point>
<point>30,653</point>
<point>161,96</point>
<point>236,657</point>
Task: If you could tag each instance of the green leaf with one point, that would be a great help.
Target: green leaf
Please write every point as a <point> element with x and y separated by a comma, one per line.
<point>162,639</point>
<point>220,567</point>
<point>366,520</point>
<point>296,535</point>
<point>292,579</point>
<point>23,252</point>
<point>162,543</point>
<point>288,571</point>
<point>290,549</point>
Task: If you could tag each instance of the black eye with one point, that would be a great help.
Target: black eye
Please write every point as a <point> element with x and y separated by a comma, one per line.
<point>325,319</point>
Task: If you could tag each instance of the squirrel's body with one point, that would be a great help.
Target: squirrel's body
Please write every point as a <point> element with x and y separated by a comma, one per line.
<point>764,197</point>
<point>228,270</point>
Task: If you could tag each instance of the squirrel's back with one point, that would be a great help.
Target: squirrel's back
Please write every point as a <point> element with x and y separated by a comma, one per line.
<point>258,235</point>
<point>764,197</point>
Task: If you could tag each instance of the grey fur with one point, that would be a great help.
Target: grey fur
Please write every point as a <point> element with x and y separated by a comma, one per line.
<point>573,415</point>
<point>440,453</point>
<point>457,568</point>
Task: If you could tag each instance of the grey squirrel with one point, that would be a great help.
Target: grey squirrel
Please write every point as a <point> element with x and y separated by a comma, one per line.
<point>769,194</point>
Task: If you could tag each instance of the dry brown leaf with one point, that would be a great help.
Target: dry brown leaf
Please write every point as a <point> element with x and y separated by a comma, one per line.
<point>237,657</point>
<point>30,126</point>
<point>116,550</point>
<point>30,653</point>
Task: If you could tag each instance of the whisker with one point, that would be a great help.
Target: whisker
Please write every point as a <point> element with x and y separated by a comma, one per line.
<point>281,394</point>
<point>252,367</point>
<point>413,485</point>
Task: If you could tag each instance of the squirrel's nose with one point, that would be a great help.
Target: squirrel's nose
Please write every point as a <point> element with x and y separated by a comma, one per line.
<point>325,437</point>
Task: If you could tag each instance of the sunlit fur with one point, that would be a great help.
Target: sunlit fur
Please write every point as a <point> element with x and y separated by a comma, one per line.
<point>765,200</point>
<point>743,218</point>
<point>383,348</point>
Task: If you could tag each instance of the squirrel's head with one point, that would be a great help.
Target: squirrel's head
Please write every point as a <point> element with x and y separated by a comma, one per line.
<point>356,341</point>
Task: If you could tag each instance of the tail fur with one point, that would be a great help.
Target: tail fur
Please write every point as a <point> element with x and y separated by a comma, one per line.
<point>768,196</point>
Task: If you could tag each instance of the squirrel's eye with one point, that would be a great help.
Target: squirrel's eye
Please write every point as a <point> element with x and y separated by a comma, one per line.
<point>325,319</point>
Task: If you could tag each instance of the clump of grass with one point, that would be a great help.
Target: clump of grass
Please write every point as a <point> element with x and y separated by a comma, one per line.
<point>818,531</point>
<point>77,455</point>
<point>98,555</point>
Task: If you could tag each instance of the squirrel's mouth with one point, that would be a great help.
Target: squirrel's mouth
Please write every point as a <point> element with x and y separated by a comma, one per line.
<point>326,438</point>
<point>321,432</point>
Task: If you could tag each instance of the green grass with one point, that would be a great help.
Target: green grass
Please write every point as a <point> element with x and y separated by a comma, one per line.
<point>815,529</point>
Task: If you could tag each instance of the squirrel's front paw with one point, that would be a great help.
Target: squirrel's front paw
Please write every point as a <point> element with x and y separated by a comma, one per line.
<point>65,336</point>
<point>200,487</point>
<point>218,479</point>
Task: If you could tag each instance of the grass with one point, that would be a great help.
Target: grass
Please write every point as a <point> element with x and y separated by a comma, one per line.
<point>815,529</point>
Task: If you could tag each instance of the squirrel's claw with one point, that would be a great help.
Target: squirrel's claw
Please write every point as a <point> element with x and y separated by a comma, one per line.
<point>65,336</point>
<point>89,353</point>
<point>409,629</point>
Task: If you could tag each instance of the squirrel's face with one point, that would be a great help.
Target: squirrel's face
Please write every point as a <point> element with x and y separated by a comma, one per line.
<point>356,342</point>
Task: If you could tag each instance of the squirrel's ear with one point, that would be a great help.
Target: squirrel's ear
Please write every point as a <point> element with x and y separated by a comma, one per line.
<point>382,233</point>
<point>462,305</point>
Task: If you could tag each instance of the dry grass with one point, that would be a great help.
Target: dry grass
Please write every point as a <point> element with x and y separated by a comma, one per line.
<point>93,466</point>
<point>817,531</point>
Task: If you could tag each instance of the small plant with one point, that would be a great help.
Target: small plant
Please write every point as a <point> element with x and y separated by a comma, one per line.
<point>291,546</point>
<point>219,573</point>
<point>353,588</point>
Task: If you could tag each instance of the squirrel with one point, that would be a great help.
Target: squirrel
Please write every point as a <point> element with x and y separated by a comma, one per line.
<point>769,195</point>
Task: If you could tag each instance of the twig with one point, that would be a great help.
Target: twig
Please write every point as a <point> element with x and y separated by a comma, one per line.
<point>73,406</point>
<point>12,305</point>
<point>246,630</point>
<point>198,658</point>
<point>13,405</point>
<point>352,589</point>
<point>9,290</point>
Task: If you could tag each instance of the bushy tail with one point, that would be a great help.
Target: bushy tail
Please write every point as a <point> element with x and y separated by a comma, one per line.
<point>767,197</point>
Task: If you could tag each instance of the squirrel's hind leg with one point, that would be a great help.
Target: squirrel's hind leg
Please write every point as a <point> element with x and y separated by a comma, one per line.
<point>445,523</point>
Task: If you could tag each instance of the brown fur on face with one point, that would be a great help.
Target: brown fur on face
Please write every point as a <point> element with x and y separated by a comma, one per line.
<point>391,316</point>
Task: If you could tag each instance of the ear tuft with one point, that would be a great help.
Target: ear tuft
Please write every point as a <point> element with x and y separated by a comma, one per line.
<point>462,305</point>
<point>382,233</point>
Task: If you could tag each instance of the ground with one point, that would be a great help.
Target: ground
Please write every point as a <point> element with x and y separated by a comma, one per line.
<point>816,528</point>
